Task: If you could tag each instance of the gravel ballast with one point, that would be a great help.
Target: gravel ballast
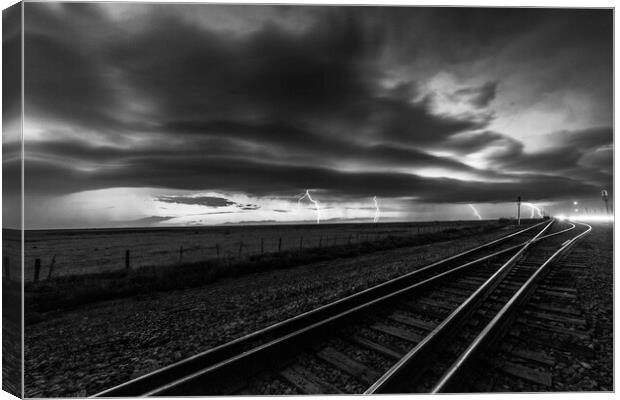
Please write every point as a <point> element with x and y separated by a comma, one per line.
<point>595,292</point>
<point>82,351</point>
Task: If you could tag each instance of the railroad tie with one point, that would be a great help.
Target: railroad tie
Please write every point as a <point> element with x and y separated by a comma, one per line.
<point>529,355</point>
<point>554,293</point>
<point>307,382</point>
<point>559,288</point>
<point>554,317</point>
<point>540,325</point>
<point>397,332</point>
<point>559,310</point>
<point>348,365</point>
<point>524,372</point>
<point>442,305</point>
<point>411,321</point>
<point>379,348</point>
<point>456,291</point>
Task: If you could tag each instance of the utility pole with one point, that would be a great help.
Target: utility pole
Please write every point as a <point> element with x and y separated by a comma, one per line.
<point>519,210</point>
<point>605,196</point>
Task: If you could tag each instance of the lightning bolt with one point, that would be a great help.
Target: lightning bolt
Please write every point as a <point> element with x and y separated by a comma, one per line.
<point>377,211</point>
<point>316,205</point>
<point>475,211</point>
<point>534,209</point>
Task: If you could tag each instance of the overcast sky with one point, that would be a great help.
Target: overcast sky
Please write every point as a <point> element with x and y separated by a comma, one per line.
<point>155,114</point>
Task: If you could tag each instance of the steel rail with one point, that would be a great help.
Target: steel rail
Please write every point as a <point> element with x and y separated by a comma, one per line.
<point>556,233</point>
<point>199,381</point>
<point>146,383</point>
<point>496,326</point>
<point>390,381</point>
<point>262,356</point>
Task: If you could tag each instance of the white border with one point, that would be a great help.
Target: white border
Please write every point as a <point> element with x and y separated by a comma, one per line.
<point>479,3</point>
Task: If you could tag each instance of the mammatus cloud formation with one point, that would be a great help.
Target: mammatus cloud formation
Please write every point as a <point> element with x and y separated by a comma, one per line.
<point>413,105</point>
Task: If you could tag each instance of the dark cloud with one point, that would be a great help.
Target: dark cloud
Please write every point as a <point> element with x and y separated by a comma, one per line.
<point>69,79</point>
<point>11,116</point>
<point>11,66</point>
<point>479,97</point>
<point>207,201</point>
<point>147,221</point>
<point>327,72</point>
<point>337,104</point>
<point>601,159</point>
<point>271,71</point>
<point>249,206</point>
<point>264,179</point>
<point>581,154</point>
<point>570,148</point>
<point>456,35</point>
<point>300,142</point>
<point>471,142</point>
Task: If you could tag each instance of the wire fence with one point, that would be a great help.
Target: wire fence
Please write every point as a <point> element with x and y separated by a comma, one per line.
<point>52,256</point>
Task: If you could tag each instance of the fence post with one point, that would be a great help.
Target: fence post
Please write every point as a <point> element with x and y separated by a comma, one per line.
<point>37,269</point>
<point>349,242</point>
<point>181,254</point>
<point>217,250</point>
<point>320,242</point>
<point>127,265</point>
<point>301,243</point>
<point>240,247</point>
<point>49,274</point>
<point>279,244</point>
<point>262,246</point>
<point>7,273</point>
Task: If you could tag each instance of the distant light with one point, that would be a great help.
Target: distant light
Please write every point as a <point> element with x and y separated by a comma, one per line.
<point>588,218</point>
<point>576,210</point>
<point>575,202</point>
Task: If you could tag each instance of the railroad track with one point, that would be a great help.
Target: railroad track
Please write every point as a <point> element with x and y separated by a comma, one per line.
<point>548,343</point>
<point>383,339</point>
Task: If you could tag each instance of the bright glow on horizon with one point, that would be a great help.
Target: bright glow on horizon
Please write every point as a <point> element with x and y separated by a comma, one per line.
<point>587,218</point>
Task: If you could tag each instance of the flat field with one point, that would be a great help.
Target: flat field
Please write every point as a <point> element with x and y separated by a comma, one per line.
<point>86,251</point>
<point>86,348</point>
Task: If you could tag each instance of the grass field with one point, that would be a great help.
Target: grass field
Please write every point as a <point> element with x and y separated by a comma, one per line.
<point>90,284</point>
<point>112,341</point>
<point>90,251</point>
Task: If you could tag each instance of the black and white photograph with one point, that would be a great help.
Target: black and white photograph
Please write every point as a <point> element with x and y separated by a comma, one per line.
<point>243,199</point>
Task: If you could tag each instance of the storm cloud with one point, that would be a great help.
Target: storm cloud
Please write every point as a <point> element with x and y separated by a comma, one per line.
<point>480,97</point>
<point>206,201</point>
<point>399,102</point>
